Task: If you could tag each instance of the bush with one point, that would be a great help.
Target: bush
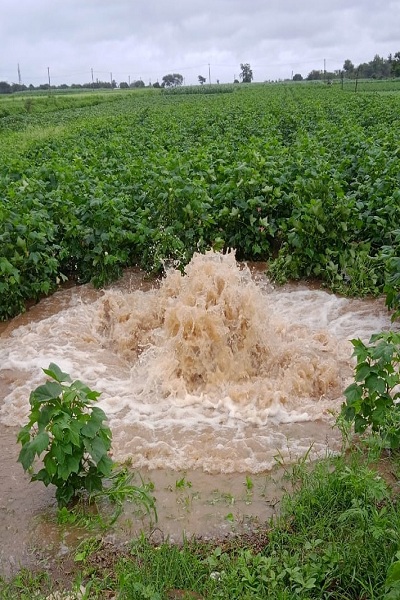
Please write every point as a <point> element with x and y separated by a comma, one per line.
<point>372,400</point>
<point>71,432</point>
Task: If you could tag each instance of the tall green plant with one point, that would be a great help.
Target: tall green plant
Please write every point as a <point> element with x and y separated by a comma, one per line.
<point>71,435</point>
<point>391,256</point>
<point>372,400</point>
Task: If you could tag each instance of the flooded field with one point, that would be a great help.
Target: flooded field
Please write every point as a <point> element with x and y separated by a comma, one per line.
<point>208,380</point>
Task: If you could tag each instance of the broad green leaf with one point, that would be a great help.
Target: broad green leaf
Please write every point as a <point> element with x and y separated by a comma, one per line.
<point>393,574</point>
<point>96,448</point>
<point>360,350</point>
<point>50,464</point>
<point>55,372</point>
<point>74,433</point>
<point>46,414</point>
<point>73,463</point>
<point>47,392</point>
<point>375,384</point>
<point>24,435</point>
<point>360,424</point>
<point>58,452</point>
<point>26,456</point>
<point>63,471</point>
<point>91,428</point>
<point>362,371</point>
<point>98,415</point>
<point>353,393</point>
<point>384,351</point>
<point>40,442</point>
<point>42,475</point>
<point>93,482</point>
<point>105,465</point>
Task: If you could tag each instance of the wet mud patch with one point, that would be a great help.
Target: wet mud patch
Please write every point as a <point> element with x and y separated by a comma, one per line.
<point>189,505</point>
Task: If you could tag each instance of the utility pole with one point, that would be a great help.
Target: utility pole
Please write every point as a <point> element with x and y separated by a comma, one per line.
<point>325,69</point>
<point>129,80</point>
<point>19,76</point>
<point>92,79</point>
<point>48,75</point>
<point>111,79</point>
<point>209,74</point>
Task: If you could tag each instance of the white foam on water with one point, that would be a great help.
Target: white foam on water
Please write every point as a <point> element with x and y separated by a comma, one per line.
<point>210,370</point>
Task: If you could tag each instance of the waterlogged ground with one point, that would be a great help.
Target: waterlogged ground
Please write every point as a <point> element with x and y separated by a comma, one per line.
<point>208,380</point>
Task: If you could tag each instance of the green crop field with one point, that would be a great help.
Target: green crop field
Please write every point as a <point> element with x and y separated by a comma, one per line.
<point>306,177</point>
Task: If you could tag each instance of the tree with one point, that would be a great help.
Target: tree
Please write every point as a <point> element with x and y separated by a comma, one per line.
<point>314,75</point>
<point>156,84</point>
<point>297,77</point>
<point>123,85</point>
<point>202,79</point>
<point>246,74</point>
<point>5,88</point>
<point>395,65</point>
<point>172,80</point>
<point>138,84</point>
<point>348,67</point>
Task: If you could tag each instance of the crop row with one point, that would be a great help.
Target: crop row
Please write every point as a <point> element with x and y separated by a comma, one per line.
<point>306,177</point>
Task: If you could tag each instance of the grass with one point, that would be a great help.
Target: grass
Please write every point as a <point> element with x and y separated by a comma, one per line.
<point>337,537</point>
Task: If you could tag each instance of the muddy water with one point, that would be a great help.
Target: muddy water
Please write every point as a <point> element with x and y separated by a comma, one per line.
<point>207,377</point>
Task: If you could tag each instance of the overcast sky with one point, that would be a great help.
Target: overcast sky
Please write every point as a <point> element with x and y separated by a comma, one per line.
<point>147,39</point>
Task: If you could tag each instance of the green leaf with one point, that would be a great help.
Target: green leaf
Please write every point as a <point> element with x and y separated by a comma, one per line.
<point>362,371</point>
<point>96,448</point>
<point>45,415</point>
<point>375,384</point>
<point>353,393</point>
<point>55,372</point>
<point>63,471</point>
<point>93,482</point>
<point>26,456</point>
<point>360,350</point>
<point>47,392</point>
<point>91,428</point>
<point>40,442</point>
<point>58,452</point>
<point>105,465</point>
<point>24,435</point>
<point>73,463</point>
<point>50,464</point>
<point>98,415</point>
<point>88,394</point>
<point>74,433</point>
<point>383,351</point>
<point>393,574</point>
<point>42,475</point>
<point>360,424</point>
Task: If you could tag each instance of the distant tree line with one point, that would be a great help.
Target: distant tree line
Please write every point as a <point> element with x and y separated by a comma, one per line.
<point>168,81</point>
<point>377,68</point>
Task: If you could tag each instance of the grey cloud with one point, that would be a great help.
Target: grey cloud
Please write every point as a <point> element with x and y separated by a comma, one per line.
<point>154,36</point>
